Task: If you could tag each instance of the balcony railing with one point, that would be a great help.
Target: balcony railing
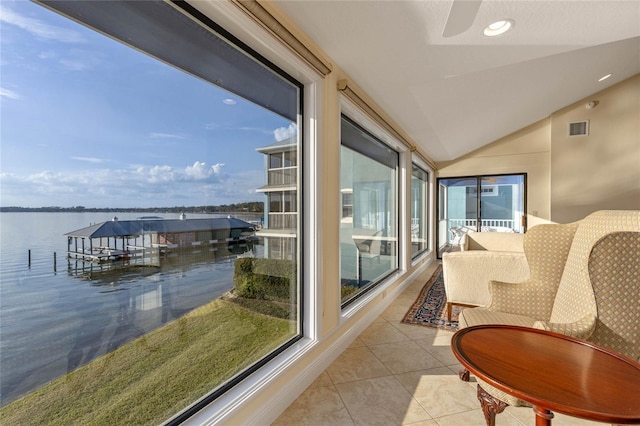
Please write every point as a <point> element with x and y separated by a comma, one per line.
<point>485,224</point>
<point>283,176</point>
<point>282,220</point>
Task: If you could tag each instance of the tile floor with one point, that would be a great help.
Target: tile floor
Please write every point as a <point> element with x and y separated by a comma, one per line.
<point>399,374</point>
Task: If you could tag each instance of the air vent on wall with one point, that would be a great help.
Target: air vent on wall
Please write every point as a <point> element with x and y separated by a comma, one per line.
<point>579,128</point>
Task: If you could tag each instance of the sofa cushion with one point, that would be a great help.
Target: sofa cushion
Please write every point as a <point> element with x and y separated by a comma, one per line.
<point>480,316</point>
<point>494,241</point>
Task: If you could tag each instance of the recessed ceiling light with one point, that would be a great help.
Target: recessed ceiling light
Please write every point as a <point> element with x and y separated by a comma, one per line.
<point>499,27</point>
<point>604,77</point>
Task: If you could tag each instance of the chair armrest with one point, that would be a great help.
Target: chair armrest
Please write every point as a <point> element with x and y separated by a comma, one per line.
<point>581,329</point>
<point>528,298</point>
<point>467,274</point>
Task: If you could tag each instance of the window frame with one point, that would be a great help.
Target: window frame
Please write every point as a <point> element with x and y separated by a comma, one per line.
<point>244,28</point>
<point>364,121</point>
<point>427,203</point>
<point>306,95</point>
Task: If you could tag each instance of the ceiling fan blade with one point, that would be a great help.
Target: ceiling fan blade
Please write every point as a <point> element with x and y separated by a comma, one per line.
<point>461,17</point>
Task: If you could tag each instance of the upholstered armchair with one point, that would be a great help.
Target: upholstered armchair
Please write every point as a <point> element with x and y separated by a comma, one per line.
<point>596,298</point>
<point>485,256</point>
<point>533,261</point>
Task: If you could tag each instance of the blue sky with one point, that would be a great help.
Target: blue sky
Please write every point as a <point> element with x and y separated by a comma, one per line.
<point>88,121</point>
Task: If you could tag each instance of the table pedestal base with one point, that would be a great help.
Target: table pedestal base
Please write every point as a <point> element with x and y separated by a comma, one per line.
<point>543,416</point>
<point>491,406</point>
<point>464,375</point>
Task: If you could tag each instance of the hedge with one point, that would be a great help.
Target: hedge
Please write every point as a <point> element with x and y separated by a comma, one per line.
<point>268,279</point>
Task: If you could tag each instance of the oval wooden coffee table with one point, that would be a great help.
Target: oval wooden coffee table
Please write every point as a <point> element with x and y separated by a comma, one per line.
<point>552,372</point>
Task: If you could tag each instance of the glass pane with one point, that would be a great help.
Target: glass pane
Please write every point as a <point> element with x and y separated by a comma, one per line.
<point>419,210</point>
<point>290,159</point>
<point>141,189</point>
<point>368,239</point>
<point>502,203</point>
<point>275,202</point>
<point>275,160</point>
<point>459,204</point>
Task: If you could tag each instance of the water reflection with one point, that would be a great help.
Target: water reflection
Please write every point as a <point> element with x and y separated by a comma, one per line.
<point>115,303</point>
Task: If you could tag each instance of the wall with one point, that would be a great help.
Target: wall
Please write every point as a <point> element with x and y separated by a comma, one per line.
<point>570,177</point>
<point>526,151</point>
<point>601,170</point>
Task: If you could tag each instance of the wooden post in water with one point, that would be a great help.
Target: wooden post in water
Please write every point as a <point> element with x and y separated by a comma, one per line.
<point>29,258</point>
<point>55,269</point>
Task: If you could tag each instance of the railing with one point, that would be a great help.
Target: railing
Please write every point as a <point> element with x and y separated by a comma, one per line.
<point>484,223</point>
<point>456,228</point>
<point>283,221</point>
<point>415,228</point>
<point>282,176</point>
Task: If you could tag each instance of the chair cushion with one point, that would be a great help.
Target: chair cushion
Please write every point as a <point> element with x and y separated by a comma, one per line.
<point>478,316</point>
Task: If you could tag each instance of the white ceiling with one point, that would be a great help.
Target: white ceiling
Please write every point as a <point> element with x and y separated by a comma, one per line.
<point>454,95</point>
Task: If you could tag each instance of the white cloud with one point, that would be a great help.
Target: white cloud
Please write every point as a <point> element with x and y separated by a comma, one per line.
<point>229,101</point>
<point>200,171</point>
<point>283,133</point>
<point>47,55</point>
<point>8,93</point>
<point>156,135</point>
<point>155,174</point>
<point>81,60</point>
<point>142,186</point>
<point>39,28</point>
<point>89,159</point>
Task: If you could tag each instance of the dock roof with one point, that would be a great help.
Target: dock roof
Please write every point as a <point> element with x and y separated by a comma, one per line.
<point>126,228</point>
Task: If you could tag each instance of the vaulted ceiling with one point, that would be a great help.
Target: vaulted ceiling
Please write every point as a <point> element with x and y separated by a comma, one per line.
<point>454,94</point>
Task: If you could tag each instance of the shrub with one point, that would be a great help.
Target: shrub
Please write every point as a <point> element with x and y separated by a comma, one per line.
<point>269,279</point>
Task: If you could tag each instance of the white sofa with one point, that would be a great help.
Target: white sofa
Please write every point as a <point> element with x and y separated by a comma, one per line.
<point>484,256</point>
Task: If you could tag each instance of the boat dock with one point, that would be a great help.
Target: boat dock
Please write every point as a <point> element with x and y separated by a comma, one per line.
<point>130,239</point>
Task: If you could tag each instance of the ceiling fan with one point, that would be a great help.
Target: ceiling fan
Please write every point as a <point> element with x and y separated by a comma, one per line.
<point>461,17</point>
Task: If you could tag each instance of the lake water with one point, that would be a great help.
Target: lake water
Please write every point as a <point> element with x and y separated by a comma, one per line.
<point>52,322</point>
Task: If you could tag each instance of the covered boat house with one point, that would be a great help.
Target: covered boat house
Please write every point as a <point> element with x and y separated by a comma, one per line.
<point>125,239</point>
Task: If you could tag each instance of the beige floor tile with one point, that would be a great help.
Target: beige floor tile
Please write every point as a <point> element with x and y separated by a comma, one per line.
<point>395,312</point>
<point>381,332</point>
<point>356,364</point>
<point>322,380</point>
<point>455,369</point>
<point>402,357</point>
<point>440,391</point>
<point>475,418</point>
<point>379,320</point>
<point>563,420</point>
<point>423,423</point>
<point>380,401</point>
<point>442,353</point>
<point>526,416</point>
<point>416,331</point>
<point>320,405</point>
<point>357,343</point>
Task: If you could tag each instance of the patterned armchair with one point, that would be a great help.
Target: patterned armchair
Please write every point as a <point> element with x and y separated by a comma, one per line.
<point>546,248</point>
<point>596,299</point>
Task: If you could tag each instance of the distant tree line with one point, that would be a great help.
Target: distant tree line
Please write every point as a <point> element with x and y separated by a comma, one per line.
<point>248,207</point>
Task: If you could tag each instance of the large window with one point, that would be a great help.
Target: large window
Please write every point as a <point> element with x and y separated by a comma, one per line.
<point>419,210</point>
<point>141,170</point>
<point>495,203</point>
<point>369,229</point>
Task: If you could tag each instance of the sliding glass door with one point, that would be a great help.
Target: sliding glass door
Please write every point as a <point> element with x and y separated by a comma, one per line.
<point>479,204</point>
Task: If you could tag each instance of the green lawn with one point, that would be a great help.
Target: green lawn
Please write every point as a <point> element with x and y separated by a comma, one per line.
<point>152,378</point>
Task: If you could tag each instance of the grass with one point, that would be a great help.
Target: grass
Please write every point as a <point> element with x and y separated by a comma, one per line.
<point>152,378</point>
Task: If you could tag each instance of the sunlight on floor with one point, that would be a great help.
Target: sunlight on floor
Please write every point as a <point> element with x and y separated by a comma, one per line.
<point>399,374</point>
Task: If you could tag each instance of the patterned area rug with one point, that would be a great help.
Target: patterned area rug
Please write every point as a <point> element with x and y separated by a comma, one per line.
<point>430,308</point>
